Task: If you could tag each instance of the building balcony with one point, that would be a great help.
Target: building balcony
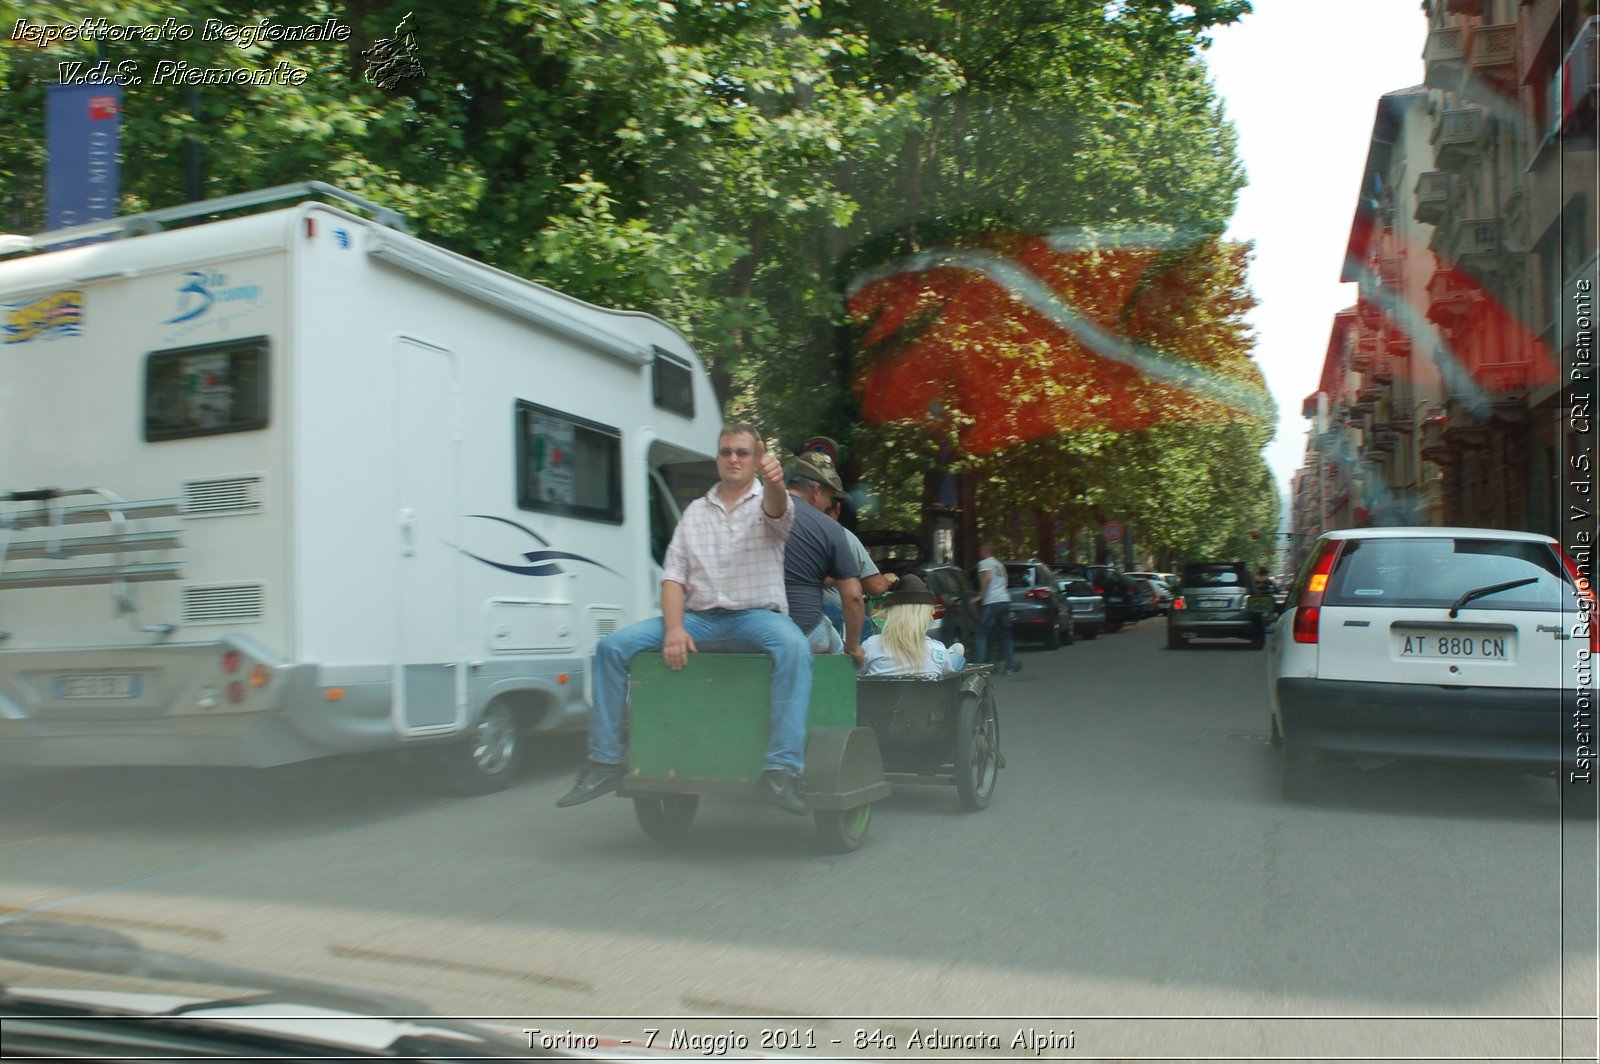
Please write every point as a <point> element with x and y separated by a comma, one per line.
<point>1369,392</point>
<point>1443,59</point>
<point>1433,197</point>
<point>1471,8</point>
<point>1433,446</point>
<point>1479,243</point>
<point>1382,369</point>
<point>1400,418</point>
<point>1452,298</point>
<point>1491,54</point>
<point>1504,382</point>
<point>1384,439</point>
<point>1459,135</point>
<point>1389,270</point>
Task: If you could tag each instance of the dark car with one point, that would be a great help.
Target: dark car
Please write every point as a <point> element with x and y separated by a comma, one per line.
<point>1127,600</point>
<point>1088,607</point>
<point>1217,600</point>
<point>955,604</point>
<point>1037,611</point>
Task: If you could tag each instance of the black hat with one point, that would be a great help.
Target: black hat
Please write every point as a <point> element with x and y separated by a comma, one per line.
<point>911,591</point>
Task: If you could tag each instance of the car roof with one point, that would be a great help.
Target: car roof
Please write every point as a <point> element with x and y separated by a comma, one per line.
<point>1436,532</point>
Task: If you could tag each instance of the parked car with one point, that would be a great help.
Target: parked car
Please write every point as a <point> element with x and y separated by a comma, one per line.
<point>1454,643</point>
<point>1160,590</point>
<point>1037,610</point>
<point>1217,600</point>
<point>1125,602</point>
<point>1087,606</point>
<point>955,605</point>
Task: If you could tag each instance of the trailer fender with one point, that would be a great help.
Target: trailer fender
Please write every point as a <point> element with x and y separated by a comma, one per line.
<point>844,769</point>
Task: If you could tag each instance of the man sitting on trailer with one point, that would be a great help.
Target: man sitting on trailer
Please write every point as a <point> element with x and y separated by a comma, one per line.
<point>819,550</point>
<point>722,589</point>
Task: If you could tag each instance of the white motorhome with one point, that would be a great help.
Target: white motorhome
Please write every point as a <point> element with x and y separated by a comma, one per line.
<point>296,483</point>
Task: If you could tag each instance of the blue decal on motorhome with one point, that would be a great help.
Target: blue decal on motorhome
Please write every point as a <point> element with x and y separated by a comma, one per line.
<point>205,288</point>
<point>543,561</point>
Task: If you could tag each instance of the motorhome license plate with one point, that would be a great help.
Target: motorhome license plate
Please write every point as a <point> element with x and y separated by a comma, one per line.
<point>97,685</point>
<point>1474,646</point>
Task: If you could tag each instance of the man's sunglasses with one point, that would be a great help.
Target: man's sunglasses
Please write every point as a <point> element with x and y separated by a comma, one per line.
<point>735,452</point>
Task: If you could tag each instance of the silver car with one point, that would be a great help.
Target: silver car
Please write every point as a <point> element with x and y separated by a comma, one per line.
<point>1087,606</point>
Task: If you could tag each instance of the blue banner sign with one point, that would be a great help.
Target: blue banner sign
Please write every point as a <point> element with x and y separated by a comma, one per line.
<point>83,133</point>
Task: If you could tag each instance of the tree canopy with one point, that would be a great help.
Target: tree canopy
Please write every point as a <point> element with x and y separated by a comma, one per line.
<point>777,179</point>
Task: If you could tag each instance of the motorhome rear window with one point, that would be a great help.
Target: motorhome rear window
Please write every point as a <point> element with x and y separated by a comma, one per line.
<point>206,390</point>
<point>567,465</point>
<point>674,383</point>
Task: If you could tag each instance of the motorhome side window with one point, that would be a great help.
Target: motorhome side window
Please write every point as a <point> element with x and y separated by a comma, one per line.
<point>567,465</point>
<point>206,390</point>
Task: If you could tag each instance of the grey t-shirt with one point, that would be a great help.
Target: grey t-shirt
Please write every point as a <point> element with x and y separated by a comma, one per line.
<point>817,548</point>
<point>830,595</point>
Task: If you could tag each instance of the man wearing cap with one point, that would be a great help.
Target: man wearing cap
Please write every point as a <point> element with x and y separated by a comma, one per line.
<point>722,589</point>
<point>817,550</point>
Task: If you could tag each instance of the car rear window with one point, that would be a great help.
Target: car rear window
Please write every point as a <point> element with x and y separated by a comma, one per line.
<point>1435,571</point>
<point>1212,576</point>
<point>1077,587</point>
<point>1019,576</point>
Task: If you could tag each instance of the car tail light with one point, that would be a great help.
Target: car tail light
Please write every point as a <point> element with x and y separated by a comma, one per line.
<point>1585,592</point>
<point>1177,603</point>
<point>938,607</point>
<point>1038,594</point>
<point>1309,613</point>
<point>1098,590</point>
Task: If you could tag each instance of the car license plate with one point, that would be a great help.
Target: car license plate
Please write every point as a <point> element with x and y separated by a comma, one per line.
<point>97,685</point>
<point>1473,646</point>
<point>1213,604</point>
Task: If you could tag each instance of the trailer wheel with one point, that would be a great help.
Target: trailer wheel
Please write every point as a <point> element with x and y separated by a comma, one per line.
<point>486,760</point>
<point>666,818</point>
<point>977,754</point>
<point>841,830</point>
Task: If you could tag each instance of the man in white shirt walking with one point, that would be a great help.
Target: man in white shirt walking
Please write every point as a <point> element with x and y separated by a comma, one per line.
<point>996,603</point>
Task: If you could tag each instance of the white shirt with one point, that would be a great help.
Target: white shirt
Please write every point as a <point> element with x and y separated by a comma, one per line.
<point>996,591</point>
<point>937,659</point>
<point>730,557</point>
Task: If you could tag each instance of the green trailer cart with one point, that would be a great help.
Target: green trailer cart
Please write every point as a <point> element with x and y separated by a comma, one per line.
<point>703,731</point>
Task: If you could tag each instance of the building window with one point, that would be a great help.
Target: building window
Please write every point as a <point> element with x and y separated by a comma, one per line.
<point>568,465</point>
<point>206,390</point>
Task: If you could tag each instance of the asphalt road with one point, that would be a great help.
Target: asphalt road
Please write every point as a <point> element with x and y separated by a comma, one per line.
<point>1138,882</point>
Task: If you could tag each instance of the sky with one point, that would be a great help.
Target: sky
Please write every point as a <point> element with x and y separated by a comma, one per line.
<point>1301,82</point>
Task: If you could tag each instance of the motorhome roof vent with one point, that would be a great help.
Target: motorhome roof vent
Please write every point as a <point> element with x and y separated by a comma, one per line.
<point>223,603</point>
<point>222,496</point>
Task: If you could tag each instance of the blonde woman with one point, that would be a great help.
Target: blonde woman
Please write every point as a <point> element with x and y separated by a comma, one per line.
<point>904,648</point>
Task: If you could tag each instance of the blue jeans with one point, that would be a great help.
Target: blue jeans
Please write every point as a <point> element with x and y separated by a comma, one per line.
<point>995,615</point>
<point>713,631</point>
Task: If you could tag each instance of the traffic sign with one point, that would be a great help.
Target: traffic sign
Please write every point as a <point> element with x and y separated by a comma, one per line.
<point>1113,531</point>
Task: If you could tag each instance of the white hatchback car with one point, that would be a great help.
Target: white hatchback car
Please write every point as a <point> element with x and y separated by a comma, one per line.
<point>1457,643</point>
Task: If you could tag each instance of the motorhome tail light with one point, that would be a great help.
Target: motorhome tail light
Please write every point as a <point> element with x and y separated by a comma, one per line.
<point>1309,613</point>
<point>1038,594</point>
<point>230,661</point>
<point>1584,589</point>
<point>259,675</point>
<point>235,692</point>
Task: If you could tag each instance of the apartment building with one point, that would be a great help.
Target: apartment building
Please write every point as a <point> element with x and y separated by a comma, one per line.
<point>1475,223</point>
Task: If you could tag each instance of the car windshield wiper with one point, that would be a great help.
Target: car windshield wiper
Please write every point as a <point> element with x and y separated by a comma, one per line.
<point>1492,589</point>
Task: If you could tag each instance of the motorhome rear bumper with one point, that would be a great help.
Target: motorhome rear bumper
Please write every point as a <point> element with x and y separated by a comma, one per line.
<point>180,705</point>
